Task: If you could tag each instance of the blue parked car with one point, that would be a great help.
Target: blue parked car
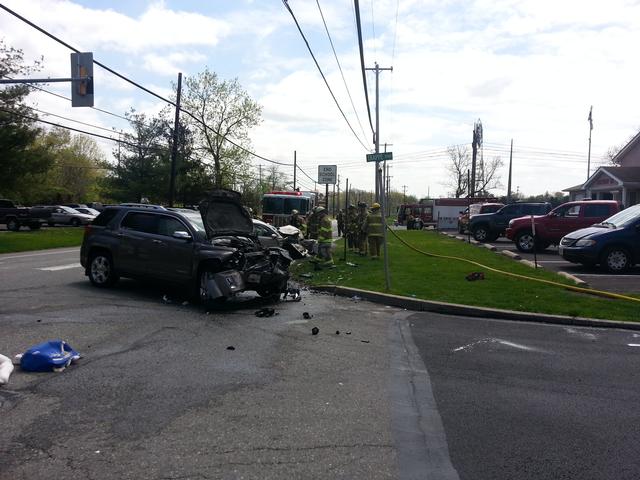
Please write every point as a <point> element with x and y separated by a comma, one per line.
<point>614,244</point>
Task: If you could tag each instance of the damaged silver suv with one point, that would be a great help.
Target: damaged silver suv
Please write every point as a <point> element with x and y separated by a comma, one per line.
<point>214,251</point>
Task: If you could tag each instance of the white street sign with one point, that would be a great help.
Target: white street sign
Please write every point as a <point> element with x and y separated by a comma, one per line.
<point>327,174</point>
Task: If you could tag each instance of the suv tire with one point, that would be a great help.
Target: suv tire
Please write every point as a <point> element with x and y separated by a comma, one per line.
<point>481,233</point>
<point>13,224</point>
<point>101,270</point>
<point>525,242</point>
<point>616,259</point>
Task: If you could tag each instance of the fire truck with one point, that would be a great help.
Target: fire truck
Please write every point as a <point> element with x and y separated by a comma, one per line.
<point>277,206</point>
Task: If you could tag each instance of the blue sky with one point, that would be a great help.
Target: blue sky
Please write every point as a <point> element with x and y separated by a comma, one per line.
<point>529,69</point>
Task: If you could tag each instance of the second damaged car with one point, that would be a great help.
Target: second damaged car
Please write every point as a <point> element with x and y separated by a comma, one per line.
<point>215,250</point>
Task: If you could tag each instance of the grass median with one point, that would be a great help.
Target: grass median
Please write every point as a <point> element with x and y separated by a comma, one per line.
<point>42,239</point>
<point>419,276</point>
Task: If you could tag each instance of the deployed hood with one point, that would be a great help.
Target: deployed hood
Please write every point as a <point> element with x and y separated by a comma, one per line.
<point>223,214</point>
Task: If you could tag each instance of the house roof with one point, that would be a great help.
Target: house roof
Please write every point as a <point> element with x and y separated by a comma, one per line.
<point>624,150</point>
<point>624,174</point>
<point>577,188</point>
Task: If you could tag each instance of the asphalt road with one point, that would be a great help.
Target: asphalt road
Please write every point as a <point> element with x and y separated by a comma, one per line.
<point>158,394</point>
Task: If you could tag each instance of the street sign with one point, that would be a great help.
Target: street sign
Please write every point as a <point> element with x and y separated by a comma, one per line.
<point>379,157</point>
<point>327,174</point>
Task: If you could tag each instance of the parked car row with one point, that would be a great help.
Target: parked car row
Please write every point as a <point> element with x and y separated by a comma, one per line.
<point>589,232</point>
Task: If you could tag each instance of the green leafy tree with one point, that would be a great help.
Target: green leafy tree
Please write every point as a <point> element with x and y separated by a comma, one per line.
<point>230,112</point>
<point>22,157</point>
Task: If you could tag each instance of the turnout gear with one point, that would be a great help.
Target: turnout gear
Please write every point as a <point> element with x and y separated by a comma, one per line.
<point>325,239</point>
<point>351,227</point>
<point>312,224</point>
<point>341,225</point>
<point>361,242</point>
<point>373,229</point>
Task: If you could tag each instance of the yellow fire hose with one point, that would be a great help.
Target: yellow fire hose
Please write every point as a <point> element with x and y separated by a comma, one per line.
<point>589,291</point>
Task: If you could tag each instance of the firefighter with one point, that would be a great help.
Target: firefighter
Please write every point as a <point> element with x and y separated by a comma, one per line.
<point>340,219</point>
<point>351,227</point>
<point>361,239</point>
<point>295,220</point>
<point>312,224</point>
<point>373,229</point>
<point>325,239</point>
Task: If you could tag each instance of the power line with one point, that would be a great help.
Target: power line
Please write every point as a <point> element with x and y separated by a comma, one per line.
<point>356,4</point>
<point>322,73</point>
<point>340,67</point>
<point>66,127</point>
<point>119,75</point>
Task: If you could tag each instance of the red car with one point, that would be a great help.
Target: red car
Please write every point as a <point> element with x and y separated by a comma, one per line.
<point>566,218</point>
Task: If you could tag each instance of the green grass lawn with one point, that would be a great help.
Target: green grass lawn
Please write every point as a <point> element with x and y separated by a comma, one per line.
<point>416,275</point>
<point>25,240</point>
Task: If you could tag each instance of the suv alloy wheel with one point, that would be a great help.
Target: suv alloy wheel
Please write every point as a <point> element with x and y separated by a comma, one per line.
<point>481,233</point>
<point>101,271</point>
<point>525,242</point>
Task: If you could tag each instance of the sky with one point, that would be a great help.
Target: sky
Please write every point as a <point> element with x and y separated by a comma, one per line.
<point>529,70</point>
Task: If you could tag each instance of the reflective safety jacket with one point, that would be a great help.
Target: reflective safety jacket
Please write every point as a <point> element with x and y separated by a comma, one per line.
<point>373,224</point>
<point>325,234</point>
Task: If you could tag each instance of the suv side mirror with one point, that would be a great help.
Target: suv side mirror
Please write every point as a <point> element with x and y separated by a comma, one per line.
<point>181,235</point>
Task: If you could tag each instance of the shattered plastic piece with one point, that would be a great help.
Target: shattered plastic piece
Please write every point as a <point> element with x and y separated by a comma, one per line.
<point>350,264</point>
<point>6,367</point>
<point>349,333</point>
<point>475,276</point>
<point>265,312</point>
<point>315,330</point>
<point>365,341</point>
<point>231,347</point>
<point>337,332</point>
<point>306,315</point>
<point>166,299</point>
<point>52,355</point>
<point>356,298</point>
<point>294,293</point>
<point>185,303</point>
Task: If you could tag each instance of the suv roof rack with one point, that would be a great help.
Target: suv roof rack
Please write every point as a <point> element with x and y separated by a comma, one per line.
<point>143,205</point>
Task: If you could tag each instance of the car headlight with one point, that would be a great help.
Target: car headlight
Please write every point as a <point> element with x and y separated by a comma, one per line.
<point>510,223</point>
<point>585,242</point>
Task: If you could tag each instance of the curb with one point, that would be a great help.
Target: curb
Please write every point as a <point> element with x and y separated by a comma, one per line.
<point>470,311</point>
<point>579,282</point>
<point>510,254</point>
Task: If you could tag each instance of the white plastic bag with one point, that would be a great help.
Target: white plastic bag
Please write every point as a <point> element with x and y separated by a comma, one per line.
<point>6,367</point>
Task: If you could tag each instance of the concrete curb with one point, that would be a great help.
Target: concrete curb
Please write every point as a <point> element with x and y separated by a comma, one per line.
<point>470,311</point>
<point>510,254</point>
<point>488,246</point>
<point>529,263</point>
<point>579,282</point>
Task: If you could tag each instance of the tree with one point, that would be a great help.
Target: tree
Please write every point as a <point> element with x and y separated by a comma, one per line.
<point>22,157</point>
<point>458,166</point>
<point>78,166</point>
<point>487,177</point>
<point>229,113</point>
<point>610,157</point>
<point>143,162</point>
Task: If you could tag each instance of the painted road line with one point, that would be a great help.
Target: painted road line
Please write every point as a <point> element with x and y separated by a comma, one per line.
<point>58,252</point>
<point>60,267</point>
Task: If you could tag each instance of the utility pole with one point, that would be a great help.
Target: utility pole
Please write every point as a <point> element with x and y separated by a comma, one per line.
<point>404,194</point>
<point>295,170</point>
<point>174,147</point>
<point>590,130</point>
<point>377,69</point>
<point>260,170</point>
<point>510,165</point>
<point>477,142</point>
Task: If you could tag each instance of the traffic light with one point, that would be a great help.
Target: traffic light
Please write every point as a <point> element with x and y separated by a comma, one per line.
<point>82,79</point>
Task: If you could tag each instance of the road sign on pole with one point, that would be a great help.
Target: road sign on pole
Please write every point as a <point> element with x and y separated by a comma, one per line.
<point>379,157</point>
<point>327,174</point>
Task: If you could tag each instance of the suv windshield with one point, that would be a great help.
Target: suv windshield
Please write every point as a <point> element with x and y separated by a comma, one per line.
<point>624,217</point>
<point>195,219</point>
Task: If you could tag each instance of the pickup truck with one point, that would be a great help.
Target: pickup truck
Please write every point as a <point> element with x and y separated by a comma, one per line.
<point>486,227</point>
<point>14,216</point>
<point>566,218</point>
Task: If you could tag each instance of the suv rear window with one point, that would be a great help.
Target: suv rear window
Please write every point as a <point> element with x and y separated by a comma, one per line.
<point>105,217</point>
